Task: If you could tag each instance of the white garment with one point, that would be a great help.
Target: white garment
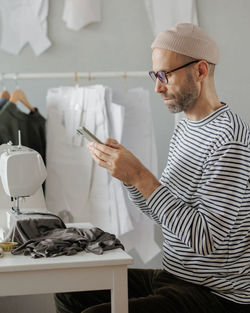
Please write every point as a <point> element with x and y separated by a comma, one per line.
<point>76,187</point>
<point>164,14</point>
<point>119,218</point>
<point>95,119</point>
<point>79,13</point>
<point>68,166</point>
<point>80,188</point>
<point>73,111</point>
<point>24,21</point>
<point>138,137</point>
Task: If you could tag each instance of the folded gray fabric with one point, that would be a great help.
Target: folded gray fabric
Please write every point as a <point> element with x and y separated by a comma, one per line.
<point>69,241</point>
<point>31,225</point>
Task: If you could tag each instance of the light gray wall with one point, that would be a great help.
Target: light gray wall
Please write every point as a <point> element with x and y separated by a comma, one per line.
<point>121,42</point>
<point>227,21</point>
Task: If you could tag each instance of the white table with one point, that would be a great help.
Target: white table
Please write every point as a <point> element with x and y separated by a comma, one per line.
<point>22,275</point>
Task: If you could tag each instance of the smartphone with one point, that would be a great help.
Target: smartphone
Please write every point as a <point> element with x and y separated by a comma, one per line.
<point>87,134</point>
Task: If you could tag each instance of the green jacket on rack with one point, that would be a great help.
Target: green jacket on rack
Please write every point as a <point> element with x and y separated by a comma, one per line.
<point>32,127</point>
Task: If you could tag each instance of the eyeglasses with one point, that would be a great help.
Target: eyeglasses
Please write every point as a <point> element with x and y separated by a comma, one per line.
<point>163,76</point>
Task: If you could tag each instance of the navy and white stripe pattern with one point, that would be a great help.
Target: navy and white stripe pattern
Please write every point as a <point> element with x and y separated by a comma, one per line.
<point>203,204</point>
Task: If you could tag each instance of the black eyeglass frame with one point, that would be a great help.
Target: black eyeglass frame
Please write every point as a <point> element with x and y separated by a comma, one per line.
<point>154,75</point>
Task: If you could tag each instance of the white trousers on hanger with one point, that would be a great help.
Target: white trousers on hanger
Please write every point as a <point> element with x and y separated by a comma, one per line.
<point>68,165</point>
<point>138,137</point>
<point>24,21</point>
<point>95,119</point>
<point>106,201</point>
<point>120,218</point>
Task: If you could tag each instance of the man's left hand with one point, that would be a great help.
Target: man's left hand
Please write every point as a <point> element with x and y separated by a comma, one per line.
<point>120,162</point>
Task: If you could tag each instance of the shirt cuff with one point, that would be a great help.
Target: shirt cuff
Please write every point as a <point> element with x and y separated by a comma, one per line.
<point>156,197</point>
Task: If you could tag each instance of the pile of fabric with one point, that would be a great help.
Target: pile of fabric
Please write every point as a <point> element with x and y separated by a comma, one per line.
<point>46,235</point>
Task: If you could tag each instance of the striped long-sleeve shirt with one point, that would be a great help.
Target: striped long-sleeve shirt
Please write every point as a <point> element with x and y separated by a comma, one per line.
<point>203,204</point>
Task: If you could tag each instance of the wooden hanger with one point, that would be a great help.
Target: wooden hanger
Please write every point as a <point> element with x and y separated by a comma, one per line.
<point>18,95</point>
<point>4,94</point>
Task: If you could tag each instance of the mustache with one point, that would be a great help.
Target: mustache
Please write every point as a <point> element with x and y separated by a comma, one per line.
<point>164,96</point>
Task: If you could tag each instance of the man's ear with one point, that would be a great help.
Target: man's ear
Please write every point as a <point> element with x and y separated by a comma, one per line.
<point>202,69</point>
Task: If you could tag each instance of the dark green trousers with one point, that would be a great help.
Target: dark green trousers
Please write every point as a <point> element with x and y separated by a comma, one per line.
<point>151,291</point>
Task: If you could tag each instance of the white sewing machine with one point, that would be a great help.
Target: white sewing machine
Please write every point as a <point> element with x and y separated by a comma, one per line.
<point>22,173</point>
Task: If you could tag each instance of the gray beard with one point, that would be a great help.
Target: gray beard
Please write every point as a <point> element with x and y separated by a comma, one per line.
<point>186,98</point>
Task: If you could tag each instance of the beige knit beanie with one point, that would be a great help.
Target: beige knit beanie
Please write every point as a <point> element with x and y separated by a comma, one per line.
<point>190,40</point>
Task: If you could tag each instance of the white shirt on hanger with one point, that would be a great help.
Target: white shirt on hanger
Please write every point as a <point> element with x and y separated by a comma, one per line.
<point>164,14</point>
<point>80,13</point>
<point>24,21</point>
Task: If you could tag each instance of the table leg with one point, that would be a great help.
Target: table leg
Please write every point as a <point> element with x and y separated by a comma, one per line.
<point>119,292</point>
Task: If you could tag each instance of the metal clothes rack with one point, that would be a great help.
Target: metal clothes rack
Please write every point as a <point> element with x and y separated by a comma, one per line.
<point>74,75</point>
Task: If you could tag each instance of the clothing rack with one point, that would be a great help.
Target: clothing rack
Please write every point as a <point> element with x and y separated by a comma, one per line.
<point>74,75</point>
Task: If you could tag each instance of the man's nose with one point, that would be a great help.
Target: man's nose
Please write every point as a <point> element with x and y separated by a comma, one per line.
<point>159,86</point>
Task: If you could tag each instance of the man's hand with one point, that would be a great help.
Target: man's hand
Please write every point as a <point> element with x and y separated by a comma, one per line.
<point>120,163</point>
<point>123,165</point>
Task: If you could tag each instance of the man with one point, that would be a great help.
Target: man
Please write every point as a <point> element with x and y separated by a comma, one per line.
<point>202,201</point>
